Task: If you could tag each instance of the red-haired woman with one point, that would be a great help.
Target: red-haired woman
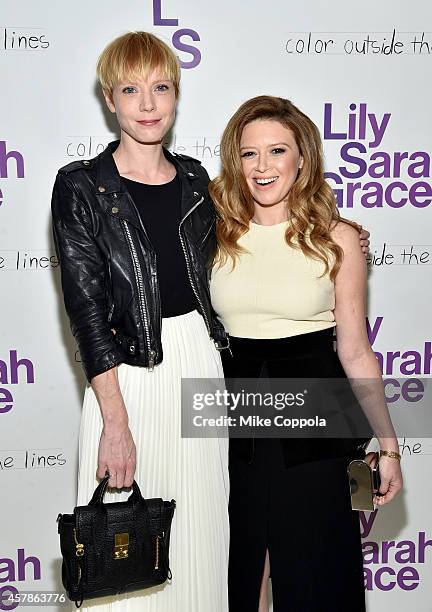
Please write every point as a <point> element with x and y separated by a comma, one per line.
<point>288,272</point>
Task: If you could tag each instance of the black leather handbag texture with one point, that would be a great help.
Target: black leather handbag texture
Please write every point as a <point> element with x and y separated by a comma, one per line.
<point>112,548</point>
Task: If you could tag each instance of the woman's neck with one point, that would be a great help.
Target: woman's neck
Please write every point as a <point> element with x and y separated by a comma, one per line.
<point>142,162</point>
<point>271,215</point>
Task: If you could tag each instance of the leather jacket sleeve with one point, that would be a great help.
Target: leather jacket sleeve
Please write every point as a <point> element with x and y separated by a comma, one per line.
<point>83,279</point>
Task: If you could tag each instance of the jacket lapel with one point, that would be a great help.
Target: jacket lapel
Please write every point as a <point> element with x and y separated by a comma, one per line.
<point>110,190</point>
<point>116,200</point>
<point>189,180</point>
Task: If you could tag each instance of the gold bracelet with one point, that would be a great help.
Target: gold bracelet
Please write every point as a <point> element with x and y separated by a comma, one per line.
<point>392,454</point>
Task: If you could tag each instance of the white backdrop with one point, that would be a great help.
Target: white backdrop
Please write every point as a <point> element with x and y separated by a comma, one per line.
<point>361,71</point>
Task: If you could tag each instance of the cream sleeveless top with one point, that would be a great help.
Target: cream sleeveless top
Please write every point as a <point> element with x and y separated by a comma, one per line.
<point>274,291</point>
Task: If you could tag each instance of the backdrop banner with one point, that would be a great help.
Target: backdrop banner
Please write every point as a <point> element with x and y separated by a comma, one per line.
<point>361,71</point>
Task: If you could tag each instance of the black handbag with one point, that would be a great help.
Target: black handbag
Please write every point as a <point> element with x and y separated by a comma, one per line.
<point>116,547</point>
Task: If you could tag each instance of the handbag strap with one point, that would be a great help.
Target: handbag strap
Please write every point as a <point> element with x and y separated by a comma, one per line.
<point>100,490</point>
<point>98,522</point>
<point>135,501</point>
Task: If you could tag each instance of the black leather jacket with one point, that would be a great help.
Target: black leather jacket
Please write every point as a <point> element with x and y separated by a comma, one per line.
<point>108,268</point>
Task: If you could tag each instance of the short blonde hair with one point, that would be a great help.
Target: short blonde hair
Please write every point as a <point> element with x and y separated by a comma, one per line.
<point>136,55</point>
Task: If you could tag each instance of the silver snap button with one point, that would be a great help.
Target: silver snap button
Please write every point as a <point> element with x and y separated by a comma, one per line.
<point>86,163</point>
<point>101,189</point>
<point>114,209</point>
<point>132,349</point>
<point>191,174</point>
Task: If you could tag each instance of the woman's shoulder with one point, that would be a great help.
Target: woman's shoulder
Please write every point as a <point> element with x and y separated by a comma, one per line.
<point>344,234</point>
<point>71,186</point>
<point>75,166</point>
<point>90,167</point>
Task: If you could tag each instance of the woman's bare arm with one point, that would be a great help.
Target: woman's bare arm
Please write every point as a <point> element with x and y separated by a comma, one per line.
<point>356,355</point>
<point>117,453</point>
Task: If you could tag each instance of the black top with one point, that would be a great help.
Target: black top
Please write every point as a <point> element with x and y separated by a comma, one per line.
<point>159,209</point>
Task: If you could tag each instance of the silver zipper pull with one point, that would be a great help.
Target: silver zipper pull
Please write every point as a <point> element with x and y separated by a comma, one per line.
<point>152,355</point>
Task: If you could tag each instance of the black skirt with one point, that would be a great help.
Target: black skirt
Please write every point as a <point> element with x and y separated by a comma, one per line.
<point>291,496</point>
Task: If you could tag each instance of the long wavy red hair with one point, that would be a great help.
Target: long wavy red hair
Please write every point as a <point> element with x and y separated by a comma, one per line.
<point>311,201</point>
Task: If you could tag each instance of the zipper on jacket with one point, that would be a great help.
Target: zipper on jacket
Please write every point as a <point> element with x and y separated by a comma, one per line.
<point>188,267</point>
<point>140,284</point>
<point>111,312</point>
<point>207,233</point>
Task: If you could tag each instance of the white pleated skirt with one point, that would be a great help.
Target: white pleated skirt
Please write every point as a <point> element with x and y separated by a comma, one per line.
<point>194,472</point>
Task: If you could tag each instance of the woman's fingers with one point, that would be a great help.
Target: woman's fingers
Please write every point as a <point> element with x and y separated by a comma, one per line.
<point>364,240</point>
<point>391,480</point>
<point>102,470</point>
<point>117,456</point>
<point>388,496</point>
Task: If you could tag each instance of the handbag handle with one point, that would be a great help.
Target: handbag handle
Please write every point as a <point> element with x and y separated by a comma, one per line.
<point>98,495</point>
<point>141,521</point>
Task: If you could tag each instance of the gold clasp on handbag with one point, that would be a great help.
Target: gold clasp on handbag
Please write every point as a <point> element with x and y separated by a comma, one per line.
<point>79,548</point>
<point>121,545</point>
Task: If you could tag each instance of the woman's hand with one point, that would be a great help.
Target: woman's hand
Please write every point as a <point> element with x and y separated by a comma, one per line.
<point>391,480</point>
<point>364,240</point>
<point>117,454</point>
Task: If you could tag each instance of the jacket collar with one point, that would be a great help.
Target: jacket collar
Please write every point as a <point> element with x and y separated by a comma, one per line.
<point>108,179</point>
<point>109,185</point>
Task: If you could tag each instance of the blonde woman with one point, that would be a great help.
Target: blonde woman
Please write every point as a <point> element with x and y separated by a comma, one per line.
<point>288,272</point>
<point>134,232</point>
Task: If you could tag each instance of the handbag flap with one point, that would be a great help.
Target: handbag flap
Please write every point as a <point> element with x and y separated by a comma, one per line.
<point>95,522</point>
